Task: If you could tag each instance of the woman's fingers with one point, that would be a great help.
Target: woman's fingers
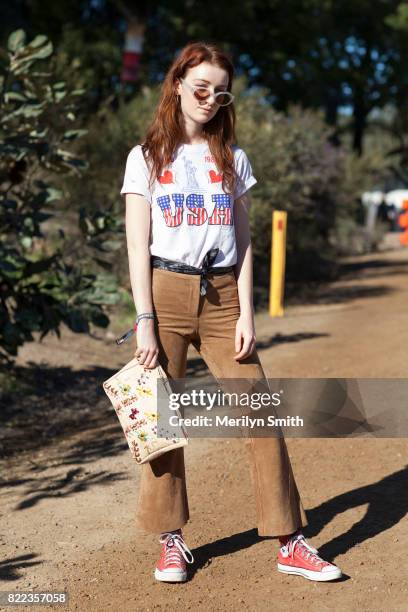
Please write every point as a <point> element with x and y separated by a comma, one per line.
<point>151,360</point>
<point>147,347</point>
<point>140,354</point>
<point>247,347</point>
<point>238,341</point>
<point>147,357</point>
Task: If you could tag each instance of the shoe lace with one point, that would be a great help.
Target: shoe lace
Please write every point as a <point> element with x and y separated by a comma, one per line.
<point>305,550</point>
<point>175,546</point>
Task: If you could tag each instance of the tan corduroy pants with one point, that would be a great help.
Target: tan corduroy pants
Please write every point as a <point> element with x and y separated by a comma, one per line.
<point>208,322</point>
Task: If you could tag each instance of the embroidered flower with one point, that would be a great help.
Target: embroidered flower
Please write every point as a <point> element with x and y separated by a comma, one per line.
<point>142,435</point>
<point>147,391</point>
<point>134,412</point>
<point>125,388</point>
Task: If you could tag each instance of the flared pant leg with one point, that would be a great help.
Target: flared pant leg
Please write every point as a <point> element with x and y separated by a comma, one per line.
<point>162,503</point>
<point>279,507</point>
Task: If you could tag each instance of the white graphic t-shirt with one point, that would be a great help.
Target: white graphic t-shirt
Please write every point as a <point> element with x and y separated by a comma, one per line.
<point>190,213</point>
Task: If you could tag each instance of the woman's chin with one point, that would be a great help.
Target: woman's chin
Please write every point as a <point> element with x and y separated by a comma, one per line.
<point>203,116</point>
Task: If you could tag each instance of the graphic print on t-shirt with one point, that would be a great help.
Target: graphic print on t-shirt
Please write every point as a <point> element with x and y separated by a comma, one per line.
<point>190,212</point>
<point>166,177</point>
<point>214,177</point>
<point>197,204</point>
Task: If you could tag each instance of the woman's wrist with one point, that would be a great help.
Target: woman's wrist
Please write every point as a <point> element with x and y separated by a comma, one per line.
<point>145,322</point>
<point>246,311</point>
<point>144,315</point>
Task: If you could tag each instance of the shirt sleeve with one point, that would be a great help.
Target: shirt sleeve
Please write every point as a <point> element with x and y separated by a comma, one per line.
<point>136,178</point>
<point>245,178</point>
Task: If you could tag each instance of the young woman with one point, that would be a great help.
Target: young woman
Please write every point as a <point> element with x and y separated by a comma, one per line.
<point>190,263</point>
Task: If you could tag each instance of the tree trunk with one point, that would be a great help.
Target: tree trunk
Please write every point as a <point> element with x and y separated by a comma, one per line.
<point>360,113</point>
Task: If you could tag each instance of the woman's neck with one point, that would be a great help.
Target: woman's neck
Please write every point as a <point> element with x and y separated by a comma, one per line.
<point>195,141</point>
<point>192,135</point>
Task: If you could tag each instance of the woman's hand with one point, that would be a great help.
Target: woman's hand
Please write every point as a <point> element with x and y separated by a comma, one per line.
<point>147,347</point>
<point>245,336</point>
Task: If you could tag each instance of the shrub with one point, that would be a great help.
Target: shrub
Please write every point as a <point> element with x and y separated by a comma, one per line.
<point>43,283</point>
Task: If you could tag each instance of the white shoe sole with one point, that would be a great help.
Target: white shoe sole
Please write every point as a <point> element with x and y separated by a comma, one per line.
<point>170,576</point>
<point>309,574</point>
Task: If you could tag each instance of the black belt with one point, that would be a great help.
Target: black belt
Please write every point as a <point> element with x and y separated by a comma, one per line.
<point>207,268</point>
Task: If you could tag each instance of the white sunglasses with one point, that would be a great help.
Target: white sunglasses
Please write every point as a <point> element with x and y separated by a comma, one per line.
<point>201,93</point>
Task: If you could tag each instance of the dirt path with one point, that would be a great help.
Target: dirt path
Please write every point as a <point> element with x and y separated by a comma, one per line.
<point>68,510</point>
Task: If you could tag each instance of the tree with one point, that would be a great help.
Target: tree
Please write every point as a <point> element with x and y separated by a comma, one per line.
<point>42,284</point>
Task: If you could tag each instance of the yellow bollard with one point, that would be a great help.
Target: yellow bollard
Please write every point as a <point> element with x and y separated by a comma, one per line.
<point>278,258</point>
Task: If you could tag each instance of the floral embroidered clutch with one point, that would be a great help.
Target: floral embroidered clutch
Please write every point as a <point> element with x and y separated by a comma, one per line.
<point>134,391</point>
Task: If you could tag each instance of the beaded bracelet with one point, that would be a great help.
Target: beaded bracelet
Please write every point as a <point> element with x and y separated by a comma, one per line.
<point>143,315</point>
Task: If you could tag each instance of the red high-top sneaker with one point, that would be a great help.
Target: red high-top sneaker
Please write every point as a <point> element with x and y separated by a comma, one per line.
<point>298,557</point>
<point>171,566</point>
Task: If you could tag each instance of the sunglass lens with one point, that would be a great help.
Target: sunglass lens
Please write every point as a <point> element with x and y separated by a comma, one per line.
<point>201,94</point>
<point>224,98</point>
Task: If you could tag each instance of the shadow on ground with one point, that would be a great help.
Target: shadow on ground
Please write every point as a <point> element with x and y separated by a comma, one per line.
<point>380,516</point>
<point>334,293</point>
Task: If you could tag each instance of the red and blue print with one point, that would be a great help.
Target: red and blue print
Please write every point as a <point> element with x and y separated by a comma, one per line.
<point>164,203</point>
<point>197,212</point>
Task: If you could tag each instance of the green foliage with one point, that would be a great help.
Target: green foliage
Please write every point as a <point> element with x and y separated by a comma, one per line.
<point>42,283</point>
<point>110,136</point>
<point>91,58</point>
<point>399,19</point>
<point>317,184</point>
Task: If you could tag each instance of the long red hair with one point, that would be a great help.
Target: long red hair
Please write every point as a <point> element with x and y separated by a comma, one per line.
<point>165,132</point>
